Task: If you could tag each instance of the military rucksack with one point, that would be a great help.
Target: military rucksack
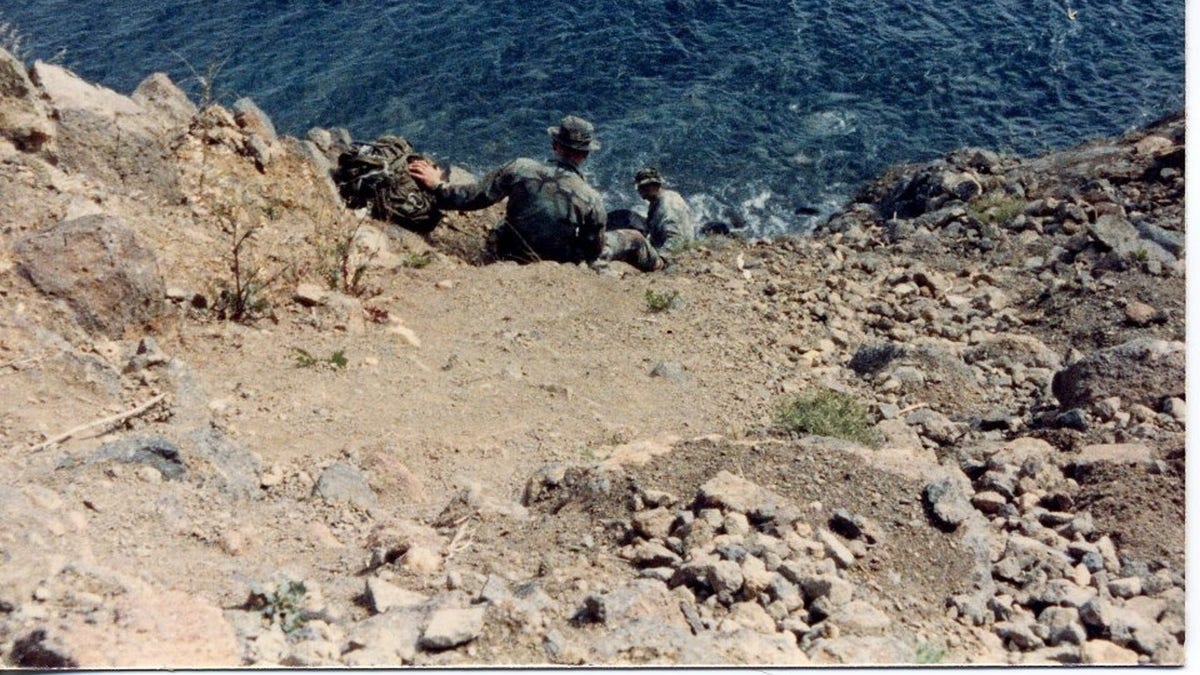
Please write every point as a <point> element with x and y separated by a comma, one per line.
<point>375,175</point>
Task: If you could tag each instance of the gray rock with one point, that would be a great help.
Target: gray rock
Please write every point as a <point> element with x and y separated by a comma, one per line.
<point>732,493</point>
<point>153,450</point>
<point>1120,454</point>
<point>858,617</point>
<point>1119,235</point>
<point>382,596</point>
<point>342,483</point>
<point>671,371</point>
<point>495,589</point>
<point>654,523</point>
<point>237,472</point>
<point>947,503</point>
<point>96,265</point>
<point>723,576</point>
<point>835,549</point>
<point>1074,418</point>
<point>934,426</point>
<point>631,602</point>
<point>257,149</point>
<point>449,628</point>
<point>1142,371</point>
<point>652,554</point>
<point>1019,634</point>
<point>855,527</point>
<point>388,639</point>
<point>989,502</point>
<point>1097,613</point>
<point>835,589</point>
<point>1170,240</point>
<point>1062,626</point>
<point>1057,655</point>
<point>1126,587</point>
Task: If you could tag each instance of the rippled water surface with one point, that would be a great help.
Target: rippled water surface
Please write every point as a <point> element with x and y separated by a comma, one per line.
<point>768,112</point>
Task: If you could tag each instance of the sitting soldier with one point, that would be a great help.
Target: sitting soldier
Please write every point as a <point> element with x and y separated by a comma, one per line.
<point>669,220</point>
<point>552,212</point>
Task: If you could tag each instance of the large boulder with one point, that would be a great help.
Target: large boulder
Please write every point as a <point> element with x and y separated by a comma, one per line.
<point>96,265</point>
<point>107,136</point>
<point>1142,371</point>
<point>23,119</point>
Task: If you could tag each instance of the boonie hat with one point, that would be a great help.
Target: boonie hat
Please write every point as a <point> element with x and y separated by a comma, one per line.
<point>575,133</point>
<point>648,176</point>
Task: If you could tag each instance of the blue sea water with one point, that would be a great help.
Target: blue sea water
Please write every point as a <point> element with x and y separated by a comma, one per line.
<point>768,112</point>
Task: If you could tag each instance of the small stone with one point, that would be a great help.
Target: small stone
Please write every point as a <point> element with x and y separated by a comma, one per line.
<point>736,524</point>
<point>835,549</point>
<point>421,559</point>
<point>654,524</point>
<point>309,295</point>
<point>1140,314</point>
<point>149,475</point>
<point>652,554</point>
<point>671,371</point>
<point>233,543</point>
<point>382,596</point>
<point>1176,408</point>
<point>450,628</point>
<point>1126,587</point>
<point>837,590</point>
<point>1074,418</point>
<point>989,502</point>
<point>1062,626</point>
<point>861,618</point>
<point>947,503</point>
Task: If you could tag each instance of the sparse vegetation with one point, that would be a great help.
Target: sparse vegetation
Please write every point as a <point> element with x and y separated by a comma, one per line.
<point>928,654</point>
<point>828,413</point>
<point>242,297</point>
<point>661,302</point>
<point>283,606</point>
<point>11,40</point>
<point>418,260</point>
<point>343,263</point>
<point>996,208</point>
<point>305,359</point>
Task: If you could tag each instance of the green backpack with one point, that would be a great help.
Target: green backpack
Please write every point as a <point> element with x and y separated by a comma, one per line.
<point>375,175</point>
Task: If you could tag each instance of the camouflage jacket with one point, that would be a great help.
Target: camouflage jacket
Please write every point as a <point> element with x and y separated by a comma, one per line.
<point>552,213</point>
<point>669,220</point>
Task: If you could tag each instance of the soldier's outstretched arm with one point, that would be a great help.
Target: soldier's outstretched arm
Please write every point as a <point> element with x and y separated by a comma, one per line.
<point>470,197</point>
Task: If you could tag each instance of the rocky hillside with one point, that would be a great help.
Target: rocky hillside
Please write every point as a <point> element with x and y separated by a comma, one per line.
<point>243,425</point>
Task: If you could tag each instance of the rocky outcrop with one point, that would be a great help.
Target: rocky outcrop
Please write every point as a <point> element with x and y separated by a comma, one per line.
<point>109,136</point>
<point>23,118</point>
<point>98,267</point>
<point>1143,371</point>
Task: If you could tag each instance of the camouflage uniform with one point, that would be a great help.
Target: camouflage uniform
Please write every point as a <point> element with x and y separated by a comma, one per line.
<point>552,213</point>
<point>669,221</point>
<point>630,246</point>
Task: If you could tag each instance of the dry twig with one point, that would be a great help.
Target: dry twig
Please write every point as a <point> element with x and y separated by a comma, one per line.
<point>104,422</point>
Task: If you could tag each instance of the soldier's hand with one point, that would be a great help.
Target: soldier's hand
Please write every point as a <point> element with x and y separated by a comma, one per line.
<point>424,173</point>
